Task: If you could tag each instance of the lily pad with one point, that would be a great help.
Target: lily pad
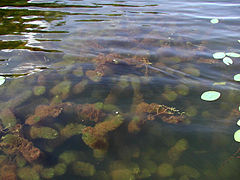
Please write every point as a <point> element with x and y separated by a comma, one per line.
<point>239,41</point>
<point>233,54</point>
<point>227,60</point>
<point>219,55</point>
<point>238,122</point>
<point>237,136</point>
<point>236,77</point>
<point>214,21</point>
<point>2,80</point>
<point>210,95</point>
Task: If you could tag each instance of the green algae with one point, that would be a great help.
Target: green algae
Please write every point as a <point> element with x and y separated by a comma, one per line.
<point>78,72</point>
<point>20,161</point>
<point>165,170</point>
<point>47,173</point>
<point>83,169</point>
<point>27,173</point>
<point>122,174</point>
<point>39,90</point>
<point>68,157</point>
<point>7,117</point>
<point>187,171</point>
<point>72,129</point>
<point>60,169</point>
<point>43,132</point>
<point>62,89</point>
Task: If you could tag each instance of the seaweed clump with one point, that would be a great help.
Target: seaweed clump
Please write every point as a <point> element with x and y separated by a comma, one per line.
<point>13,143</point>
<point>43,112</point>
<point>145,112</point>
<point>96,137</point>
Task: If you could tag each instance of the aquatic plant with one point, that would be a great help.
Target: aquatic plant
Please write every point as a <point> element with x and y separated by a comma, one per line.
<point>122,174</point>
<point>165,170</point>
<point>68,157</point>
<point>71,130</point>
<point>13,143</point>
<point>8,172</point>
<point>210,95</point>
<point>47,173</point>
<point>219,55</point>
<point>60,169</point>
<point>42,112</point>
<point>89,112</point>
<point>43,132</point>
<point>62,89</point>
<point>188,171</point>
<point>27,173</point>
<point>80,87</point>
<point>214,21</point>
<point>83,169</point>
<point>2,80</point>
<point>8,118</point>
<point>96,137</point>
<point>145,112</point>
<point>175,151</point>
<point>39,90</point>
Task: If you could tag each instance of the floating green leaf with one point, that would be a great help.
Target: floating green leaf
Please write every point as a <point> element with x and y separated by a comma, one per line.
<point>214,21</point>
<point>2,80</point>
<point>233,54</point>
<point>239,41</point>
<point>210,95</point>
<point>238,122</point>
<point>227,61</point>
<point>219,83</point>
<point>219,55</point>
<point>236,77</point>
<point>237,136</point>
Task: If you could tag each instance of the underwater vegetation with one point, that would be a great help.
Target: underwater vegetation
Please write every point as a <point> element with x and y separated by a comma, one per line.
<point>49,124</point>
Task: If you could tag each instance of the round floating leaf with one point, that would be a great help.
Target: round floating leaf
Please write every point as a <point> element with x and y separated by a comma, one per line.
<point>239,41</point>
<point>214,21</point>
<point>210,95</point>
<point>233,54</point>
<point>237,136</point>
<point>219,55</point>
<point>236,77</point>
<point>2,80</point>
<point>227,61</point>
<point>238,122</point>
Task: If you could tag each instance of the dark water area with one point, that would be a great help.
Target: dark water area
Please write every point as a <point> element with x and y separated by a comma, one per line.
<point>111,90</point>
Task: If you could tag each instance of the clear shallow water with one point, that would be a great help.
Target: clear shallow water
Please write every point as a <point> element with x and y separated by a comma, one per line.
<point>61,58</point>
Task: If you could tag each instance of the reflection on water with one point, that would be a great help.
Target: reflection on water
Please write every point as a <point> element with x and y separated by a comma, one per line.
<point>111,90</point>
